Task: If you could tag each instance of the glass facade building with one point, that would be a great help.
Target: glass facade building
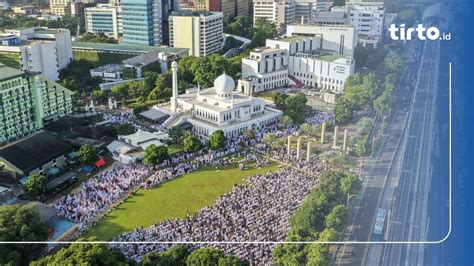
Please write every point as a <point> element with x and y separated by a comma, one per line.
<point>141,22</point>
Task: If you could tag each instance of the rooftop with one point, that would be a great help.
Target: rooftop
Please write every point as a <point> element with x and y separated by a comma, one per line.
<point>34,150</point>
<point>294,38</point>
<point>8,72</point>
<point>191,13</point>
<point>109,68</point>
<point>125,47</point>
<point>329,57</point>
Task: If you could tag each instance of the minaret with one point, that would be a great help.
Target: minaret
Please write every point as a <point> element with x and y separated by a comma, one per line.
<point>174,99</point>
<point>199,89</point>
<point>92,106</point>
<point>232,100</point>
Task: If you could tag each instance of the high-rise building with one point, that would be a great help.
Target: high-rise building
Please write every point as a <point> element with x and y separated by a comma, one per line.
<point>368,19</point>
<point>60,7</point>
<point>28,101</point>
<point>200,32</point>
<point>103,18</point>
<point>37,49</point>
<point>201,5</point>
<point>142,22</point>
<point>279,12</point>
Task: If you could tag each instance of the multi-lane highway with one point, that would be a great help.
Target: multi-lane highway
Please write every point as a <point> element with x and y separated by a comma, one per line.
<point>377,169</point>
<point>407,199</point>
<point>399,177</point>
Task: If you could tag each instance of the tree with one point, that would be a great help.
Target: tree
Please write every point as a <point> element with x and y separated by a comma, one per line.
<point>363,147</point>
<point>190,142</point>
<point>287,121</point>
<point>250,133</point>
<point>88,154</point>
<point>295,107</point>
<point>176,255</point>
<point>124,129</point>
<point>217,140</point>
<point>84,254</point>
<point>270,139</point>
<point>407,17</point>
<point>340,161</point>
<point>20,223</point>
<point>36,185</point>
<point>280,100</point>
<point>382,103</point>
<point>99,95</point>
<point>364,126</point>
<point>120,91</point>
<point>350,185</point>
<point>337,218</point>
<point>204,257</point>
<point>290,254</point>
<point>231,261</point>
<point>318,255</point>
<point>175,133</point>
<point>344,110</point>
<point>328,235</point>
<point>155,154</point>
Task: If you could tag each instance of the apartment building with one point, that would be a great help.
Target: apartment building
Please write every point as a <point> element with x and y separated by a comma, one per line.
<point>200,32</point>
<point>37,50</point>
<point>28,101</point>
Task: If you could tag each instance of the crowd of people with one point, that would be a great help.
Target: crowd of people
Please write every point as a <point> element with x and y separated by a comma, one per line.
<point>258,210</point>
<point>320,117</point>
<point>100,192</point>
<point>123,117</point>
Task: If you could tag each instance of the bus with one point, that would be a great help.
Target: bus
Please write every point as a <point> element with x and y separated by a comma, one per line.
<point>379,226</point>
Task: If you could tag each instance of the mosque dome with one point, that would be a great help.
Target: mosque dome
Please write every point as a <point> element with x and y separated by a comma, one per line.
<point>224,85</point>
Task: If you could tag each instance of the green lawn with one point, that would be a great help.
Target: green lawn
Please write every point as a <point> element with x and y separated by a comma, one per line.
<point>173,199</point>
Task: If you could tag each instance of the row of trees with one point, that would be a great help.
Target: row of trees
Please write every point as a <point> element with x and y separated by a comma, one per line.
<point>99,254</point>
<point>191,70</point>
<point>322,217</point>
<point>370,90</point>
<point>361,138</point>
<point>157,154</point>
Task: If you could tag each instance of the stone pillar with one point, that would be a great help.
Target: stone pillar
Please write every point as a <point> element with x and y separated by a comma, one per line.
<point>298,149</point>
<point>344,143</point>
<point>174,98</point>
<point>336,131</point>
<point>288,148</point>
<point>323,132</point>
<point>308,152</point>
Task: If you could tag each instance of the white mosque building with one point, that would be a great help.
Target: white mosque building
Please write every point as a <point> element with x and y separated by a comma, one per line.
<point>217,108</point>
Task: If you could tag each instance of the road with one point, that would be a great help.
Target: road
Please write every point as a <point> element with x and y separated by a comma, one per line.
<point>407,195</point>
<point>376,169</point>
<point>399,178</point>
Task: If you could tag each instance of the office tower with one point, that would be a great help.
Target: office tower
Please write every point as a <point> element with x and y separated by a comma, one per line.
<point>142,22</point>
<point>103,18</point>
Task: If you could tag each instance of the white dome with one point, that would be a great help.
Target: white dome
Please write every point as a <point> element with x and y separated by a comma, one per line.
<point>224,84</point>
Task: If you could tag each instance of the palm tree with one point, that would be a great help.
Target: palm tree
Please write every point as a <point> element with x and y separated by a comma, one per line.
<point>270,140</point>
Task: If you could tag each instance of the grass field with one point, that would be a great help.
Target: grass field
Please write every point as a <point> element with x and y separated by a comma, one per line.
<point>172,199</point>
